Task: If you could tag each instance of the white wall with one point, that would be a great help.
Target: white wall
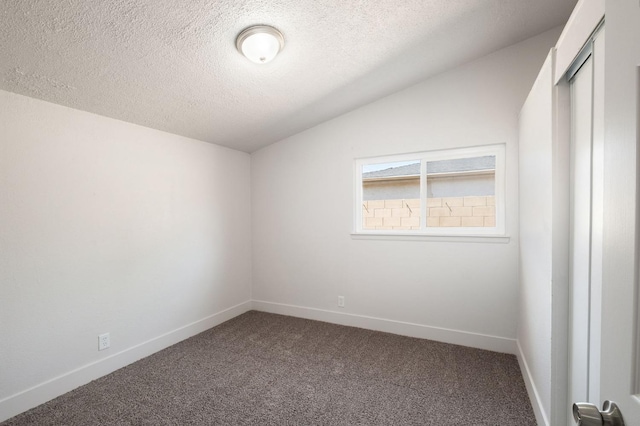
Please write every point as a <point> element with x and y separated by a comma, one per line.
<point>620,295</point>
<point>543,167</point>
<point>111,227</point>
<point>304,255</point>
<point>534,322</point>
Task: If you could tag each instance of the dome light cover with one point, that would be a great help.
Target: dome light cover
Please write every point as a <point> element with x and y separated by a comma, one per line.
<point>260,43</point>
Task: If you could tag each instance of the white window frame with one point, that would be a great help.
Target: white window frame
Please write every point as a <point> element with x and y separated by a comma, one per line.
<point>498,150</point>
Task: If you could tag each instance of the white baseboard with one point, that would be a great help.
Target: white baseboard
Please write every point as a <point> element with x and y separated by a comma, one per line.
<point>538,409</point>
<point>457,337</point>
<point>43,392</point>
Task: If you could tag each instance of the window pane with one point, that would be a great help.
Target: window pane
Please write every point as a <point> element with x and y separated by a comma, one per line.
<point>461,192</point>
<point>391,195</point>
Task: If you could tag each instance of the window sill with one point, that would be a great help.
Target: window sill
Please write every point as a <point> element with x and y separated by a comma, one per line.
<point>495,239</point>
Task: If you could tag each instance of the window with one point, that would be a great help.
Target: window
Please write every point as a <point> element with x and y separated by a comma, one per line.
<point>448,192</point>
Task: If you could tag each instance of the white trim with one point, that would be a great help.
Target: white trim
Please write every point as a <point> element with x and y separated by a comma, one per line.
<point>357,192</point>
<point>396,236</point>
<point>46,391</point>
<point>446,335</point>
<point>560,195</point>
<point>583,21</point>
<point>422,196</point>
<point>538,408</point>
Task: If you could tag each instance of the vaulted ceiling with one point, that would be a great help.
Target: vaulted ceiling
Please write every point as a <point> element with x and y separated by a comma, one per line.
<point>172,64</point>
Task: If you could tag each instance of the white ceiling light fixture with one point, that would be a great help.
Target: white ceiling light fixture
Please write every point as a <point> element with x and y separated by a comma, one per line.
<point>260,43</point>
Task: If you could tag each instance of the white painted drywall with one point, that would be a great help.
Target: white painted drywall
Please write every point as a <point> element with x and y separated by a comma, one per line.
<point>586,16</point>
<point>302,203</point>
<point>107,226</point>
<point>620,378</point>
<point>535,168</point>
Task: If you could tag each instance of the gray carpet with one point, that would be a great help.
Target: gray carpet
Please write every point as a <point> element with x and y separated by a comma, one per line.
<point>266,369</point>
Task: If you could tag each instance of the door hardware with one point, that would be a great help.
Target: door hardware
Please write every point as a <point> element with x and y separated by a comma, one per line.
<point>586,414</point>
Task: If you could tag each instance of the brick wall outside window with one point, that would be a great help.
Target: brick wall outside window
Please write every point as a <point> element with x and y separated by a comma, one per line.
<point>405,214</point>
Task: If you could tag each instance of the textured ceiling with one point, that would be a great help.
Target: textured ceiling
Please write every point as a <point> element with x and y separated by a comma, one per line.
<point>172,65</point>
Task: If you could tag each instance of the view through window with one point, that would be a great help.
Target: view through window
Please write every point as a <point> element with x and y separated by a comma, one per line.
<point>432,192</point>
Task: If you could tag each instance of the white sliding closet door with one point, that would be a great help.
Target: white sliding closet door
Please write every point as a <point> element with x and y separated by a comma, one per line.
<point>586,89</point>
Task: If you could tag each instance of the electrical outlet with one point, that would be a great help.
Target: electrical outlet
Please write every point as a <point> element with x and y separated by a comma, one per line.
<point>340,301</point>
<point>104,341</point>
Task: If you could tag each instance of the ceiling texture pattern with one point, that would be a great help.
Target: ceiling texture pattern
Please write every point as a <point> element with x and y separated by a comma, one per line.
<point>172,64</point>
